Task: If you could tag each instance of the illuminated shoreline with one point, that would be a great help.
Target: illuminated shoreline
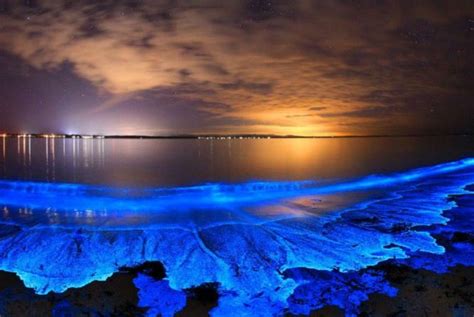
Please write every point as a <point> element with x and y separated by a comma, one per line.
<point>258,266</point>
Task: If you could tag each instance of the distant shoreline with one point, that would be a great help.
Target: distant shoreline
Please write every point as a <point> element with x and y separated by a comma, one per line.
<point>216,136</point>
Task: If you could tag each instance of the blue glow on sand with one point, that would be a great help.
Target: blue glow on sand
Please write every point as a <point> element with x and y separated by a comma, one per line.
<point>158,297</point>
<point>346,291</point>
<point>57,236</point>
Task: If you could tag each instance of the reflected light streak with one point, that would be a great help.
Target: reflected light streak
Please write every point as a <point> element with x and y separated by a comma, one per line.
<point>4,153</point>
<point>29,151</point>
<point>47,157</point>
<point>53,158</point>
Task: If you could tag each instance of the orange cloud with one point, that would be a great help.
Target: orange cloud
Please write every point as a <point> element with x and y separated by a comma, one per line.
<point>356,63</point>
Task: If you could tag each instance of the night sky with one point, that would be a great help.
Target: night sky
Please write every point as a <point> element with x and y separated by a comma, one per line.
<point>281,67</point>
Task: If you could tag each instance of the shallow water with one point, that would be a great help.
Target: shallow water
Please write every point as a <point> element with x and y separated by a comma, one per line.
<point>271,245</point>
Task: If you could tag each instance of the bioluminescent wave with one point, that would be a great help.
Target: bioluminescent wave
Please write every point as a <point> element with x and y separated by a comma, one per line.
<point>267,248</point>
<point>208,203</point>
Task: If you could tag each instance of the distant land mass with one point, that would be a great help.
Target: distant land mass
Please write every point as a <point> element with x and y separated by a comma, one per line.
<point>213,136</point>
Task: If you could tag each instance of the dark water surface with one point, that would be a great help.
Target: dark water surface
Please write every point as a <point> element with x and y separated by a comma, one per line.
<point>151,163</point>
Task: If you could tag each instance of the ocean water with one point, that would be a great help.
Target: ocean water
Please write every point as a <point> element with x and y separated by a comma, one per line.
<point>277,224</point>
<point>168,163</point>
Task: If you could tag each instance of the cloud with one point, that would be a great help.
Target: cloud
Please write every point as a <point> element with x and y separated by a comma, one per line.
<point>319,67</point>
<point>316,108</point>
<point>374,112</point>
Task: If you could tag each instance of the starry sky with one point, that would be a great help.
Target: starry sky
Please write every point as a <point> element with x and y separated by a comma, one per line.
<point>211,66</point>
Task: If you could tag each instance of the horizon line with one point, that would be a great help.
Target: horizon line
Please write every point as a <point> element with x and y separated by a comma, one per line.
<point>221,136</point>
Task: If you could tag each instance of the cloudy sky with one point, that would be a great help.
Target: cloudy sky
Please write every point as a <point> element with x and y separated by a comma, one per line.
<point>282,67</point>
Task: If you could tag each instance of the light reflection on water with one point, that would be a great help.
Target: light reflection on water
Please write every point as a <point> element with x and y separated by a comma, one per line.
<point>150,163</point>
<point>200,206</point>
<point>43,159</point>
<point>167,163</point>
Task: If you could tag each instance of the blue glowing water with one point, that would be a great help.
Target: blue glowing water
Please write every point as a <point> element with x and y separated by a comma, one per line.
<point>272,247</point>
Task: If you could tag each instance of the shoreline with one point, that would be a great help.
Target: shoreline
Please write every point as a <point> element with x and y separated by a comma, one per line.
<point>417,289</point>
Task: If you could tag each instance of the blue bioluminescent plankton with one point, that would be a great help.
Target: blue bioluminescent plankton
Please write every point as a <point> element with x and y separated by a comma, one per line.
<point>272,247</point>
